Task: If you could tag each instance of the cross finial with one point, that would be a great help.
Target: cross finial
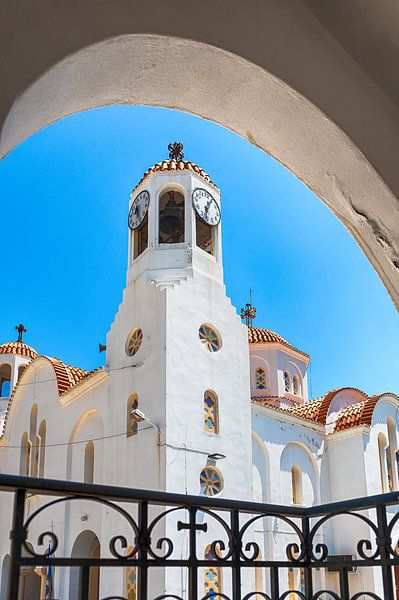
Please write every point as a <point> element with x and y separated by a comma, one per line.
<point>176,151</point>
<point>21,330</point>
<point>248,312</point>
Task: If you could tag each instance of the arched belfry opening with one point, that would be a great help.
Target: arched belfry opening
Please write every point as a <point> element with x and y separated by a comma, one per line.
<point>171,220</point>
<point>5,380</point>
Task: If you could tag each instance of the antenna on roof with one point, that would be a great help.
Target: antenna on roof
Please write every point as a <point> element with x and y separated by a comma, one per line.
<point>21,330</point>
<point>248,312</point>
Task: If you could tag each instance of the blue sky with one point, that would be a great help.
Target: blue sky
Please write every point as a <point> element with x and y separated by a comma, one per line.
<point>64,197</point>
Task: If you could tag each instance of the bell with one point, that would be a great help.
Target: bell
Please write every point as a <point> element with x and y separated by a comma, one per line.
<point>171,219</point>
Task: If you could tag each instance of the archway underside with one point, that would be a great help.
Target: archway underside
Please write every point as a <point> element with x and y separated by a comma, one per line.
<point>239,95</point>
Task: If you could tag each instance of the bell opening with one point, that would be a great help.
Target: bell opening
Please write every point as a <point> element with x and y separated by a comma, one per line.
<point>171,218</point>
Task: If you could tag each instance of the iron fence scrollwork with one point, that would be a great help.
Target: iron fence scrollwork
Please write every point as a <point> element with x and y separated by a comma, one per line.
<point>160,532</point>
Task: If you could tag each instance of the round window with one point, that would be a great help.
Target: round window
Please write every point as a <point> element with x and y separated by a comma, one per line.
<point>211,481</point>
<point>209,338</point>
<point>133,341</point>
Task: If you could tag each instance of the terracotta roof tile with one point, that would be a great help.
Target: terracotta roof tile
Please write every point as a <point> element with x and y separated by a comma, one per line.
<point>66,375</point>
<point>310,410</point>
<point>357,414</point>
<point>172,165</point>
<point>18,348</point>
<point>67,378</point>
<point>258,335</point>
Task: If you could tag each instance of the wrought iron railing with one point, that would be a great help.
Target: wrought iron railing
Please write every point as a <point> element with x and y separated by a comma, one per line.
<point>343,551</point>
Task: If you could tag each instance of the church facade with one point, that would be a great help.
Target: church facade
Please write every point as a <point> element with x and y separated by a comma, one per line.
<point>191,400</point>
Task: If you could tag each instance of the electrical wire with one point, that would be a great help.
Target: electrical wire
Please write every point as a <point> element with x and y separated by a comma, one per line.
<point>106,369</point>
<point>105,437</point>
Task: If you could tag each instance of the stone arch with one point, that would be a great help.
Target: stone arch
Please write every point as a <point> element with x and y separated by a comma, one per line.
<point>88,428</point>
<point>86,545</point>
<point>297,461</point>
<point>289,113</point>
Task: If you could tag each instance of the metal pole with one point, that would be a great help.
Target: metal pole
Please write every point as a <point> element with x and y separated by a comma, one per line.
<point>17,536</point>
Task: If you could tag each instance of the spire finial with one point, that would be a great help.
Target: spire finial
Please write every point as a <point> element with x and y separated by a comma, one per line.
<point>248,312</point>
<point>176,151</point>
<point>21,330</point>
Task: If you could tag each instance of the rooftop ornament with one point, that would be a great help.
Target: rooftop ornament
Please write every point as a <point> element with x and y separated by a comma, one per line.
<point>21,330</point>
<point>248,312</point>
<point>176,151</point>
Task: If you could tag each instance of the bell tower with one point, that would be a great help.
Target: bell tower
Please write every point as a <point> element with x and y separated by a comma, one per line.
<point>174,223</point>
<point>177,350</point>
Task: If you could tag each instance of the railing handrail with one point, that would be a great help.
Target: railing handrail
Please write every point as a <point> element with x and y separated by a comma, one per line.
<point>58,487</point>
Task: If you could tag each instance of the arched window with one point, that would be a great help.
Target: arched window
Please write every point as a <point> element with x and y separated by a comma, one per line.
<point>130,579</point>
<point>42,448</point>
<point>391,455</point>
<point>296,475</point>
<point>382,447</point>
<point>132,424</point>
<point>296,581</point>
<point>171,218</point>
<point>211,412</point>
<point>33,422</point>
<point>287,381</point>
<point>89,463</point>
<point>34,441</point>
<point>21,369</point>
<point>296,385</point>
<point>25,455</point>
<point>260,378</point>
<point>5,380</point>
<point>212,577</point>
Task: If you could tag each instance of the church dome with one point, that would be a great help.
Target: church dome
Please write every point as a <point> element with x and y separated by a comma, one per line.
<point>258,335</point>
<point>19,348</point>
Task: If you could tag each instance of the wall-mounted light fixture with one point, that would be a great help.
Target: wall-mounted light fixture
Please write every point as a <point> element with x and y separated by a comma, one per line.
<point>139,417</point>
<point>216,456</point>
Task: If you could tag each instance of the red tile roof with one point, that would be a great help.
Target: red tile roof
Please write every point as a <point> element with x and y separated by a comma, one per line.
<point>172,165</point>
<point>258,335</point>
<point>310,410</point>
<point>18,348</point>
<point>66,375</point>
<point>357,414</point>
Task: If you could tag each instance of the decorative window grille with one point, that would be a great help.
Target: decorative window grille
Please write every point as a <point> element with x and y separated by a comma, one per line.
<point>130,579</point>
<point>211,481</point>
<point>211,412</point>
<point>133,341</point>
<point>132,425</point>
<point>212,577</point>
<point>209,338</point>
<point>260,378</point>
<point>287,381</point>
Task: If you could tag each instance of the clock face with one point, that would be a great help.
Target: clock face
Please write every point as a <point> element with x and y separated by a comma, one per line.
<point>138,209</point>
<point>206,206</point>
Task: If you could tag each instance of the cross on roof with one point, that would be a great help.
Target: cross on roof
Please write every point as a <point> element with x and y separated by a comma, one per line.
<point>176,151</point>
<point>21,330</point>
<point>248,312</point>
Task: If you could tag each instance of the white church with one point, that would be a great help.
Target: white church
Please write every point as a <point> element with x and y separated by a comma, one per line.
<point>191,400</point>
